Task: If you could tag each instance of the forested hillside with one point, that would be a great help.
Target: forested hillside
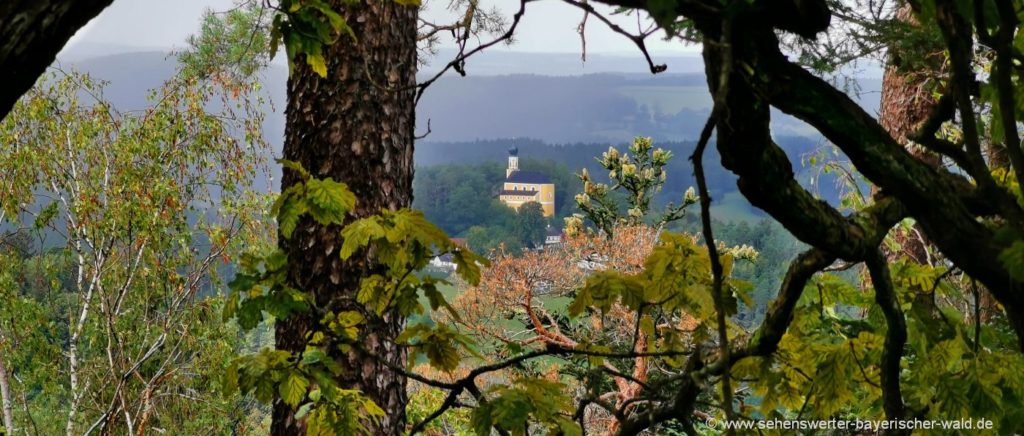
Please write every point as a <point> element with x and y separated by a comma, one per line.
<point>602,108</point>
<point>564,120</point>
<point>454,176</point>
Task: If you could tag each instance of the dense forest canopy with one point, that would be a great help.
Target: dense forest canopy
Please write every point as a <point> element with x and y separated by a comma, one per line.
<point>879,285</point>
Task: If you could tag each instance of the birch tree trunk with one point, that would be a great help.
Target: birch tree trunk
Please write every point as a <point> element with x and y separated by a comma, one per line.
<point>5,397</point>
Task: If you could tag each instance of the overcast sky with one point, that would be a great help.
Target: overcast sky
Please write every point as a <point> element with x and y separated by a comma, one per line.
<point>547,26</point>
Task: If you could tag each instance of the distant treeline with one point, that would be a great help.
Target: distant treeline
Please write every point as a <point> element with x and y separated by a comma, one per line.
<point>564,160</point>
<point>456,186</point>
<point>461,199</point>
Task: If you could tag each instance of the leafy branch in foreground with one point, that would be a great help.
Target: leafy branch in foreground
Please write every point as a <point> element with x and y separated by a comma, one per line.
<point>403,242</point>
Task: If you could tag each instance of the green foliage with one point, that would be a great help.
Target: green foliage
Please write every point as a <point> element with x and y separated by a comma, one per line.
<point>530,224</point>
<point>243,40</point>
<point>526,402</point>
<point>775,248</point>
<point>234,42</point>
<point>401,242</point>
<point>120,223</point>
<point>492,238</point>
<point>664,12</point>
<point>424,401</point>
<point>327,409</point>
<point>326,201</point>
<point>306,27</point>
<point>37,351</point>
<point>829,356</point>
<point>639,177</point>
<point>405,241</point>
<point>675,277</point>
<point>348,410</point>
<point>441,344</point>
<point>1013,259</point>
<point>260,287</point>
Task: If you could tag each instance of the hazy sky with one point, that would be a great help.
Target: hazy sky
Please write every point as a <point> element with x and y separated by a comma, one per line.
<point>547,26</point>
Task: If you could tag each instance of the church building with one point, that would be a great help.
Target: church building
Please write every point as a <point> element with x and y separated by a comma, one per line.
<point>526,186</point>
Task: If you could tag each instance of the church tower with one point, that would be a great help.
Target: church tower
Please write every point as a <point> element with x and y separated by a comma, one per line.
<point>513,161</point>
<point>522,187</point>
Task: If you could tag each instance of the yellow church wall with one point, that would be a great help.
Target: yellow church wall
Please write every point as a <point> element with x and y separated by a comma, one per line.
<point>546,194</point>
<point>547,199</point>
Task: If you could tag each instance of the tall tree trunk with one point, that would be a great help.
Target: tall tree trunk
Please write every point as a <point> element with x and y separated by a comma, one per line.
<point>906,99</point>
<point>356,126</point>
<point>907,102</point>
<point>5,397</point>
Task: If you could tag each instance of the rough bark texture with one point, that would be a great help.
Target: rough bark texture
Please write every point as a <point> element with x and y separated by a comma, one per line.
<point>356,126</point>
<point>907,102</point>
<point>31,34</point>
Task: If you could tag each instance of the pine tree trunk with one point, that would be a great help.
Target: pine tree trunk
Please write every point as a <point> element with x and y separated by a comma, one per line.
<point>356,126</point>
<point>907,102</point>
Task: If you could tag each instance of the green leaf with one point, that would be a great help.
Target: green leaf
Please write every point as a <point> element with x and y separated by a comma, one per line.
<point>316,61</point>
<point>514,406</point>
<point>439,344</point>
<point>45,216</point>
<point>467,265</point>
<point>437,300</point>
<point>329,201</point>
<point>603,289</point>
<point>290,209</point>
<point>230,380</point>
<point>293,388</point>
<point>313,355</point>
<point>358,234</point>
<point>275,36</point>
<point>301,413</point>
<point>295,166</point>
<point>230,306</point>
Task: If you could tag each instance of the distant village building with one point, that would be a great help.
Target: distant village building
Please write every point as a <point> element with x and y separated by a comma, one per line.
<point>526,186</point>
<point>445,261</point>
<point>553,235</point>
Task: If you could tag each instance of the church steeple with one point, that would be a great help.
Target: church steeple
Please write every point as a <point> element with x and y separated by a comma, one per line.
<point>521,187</point>
<point>513,161</point>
